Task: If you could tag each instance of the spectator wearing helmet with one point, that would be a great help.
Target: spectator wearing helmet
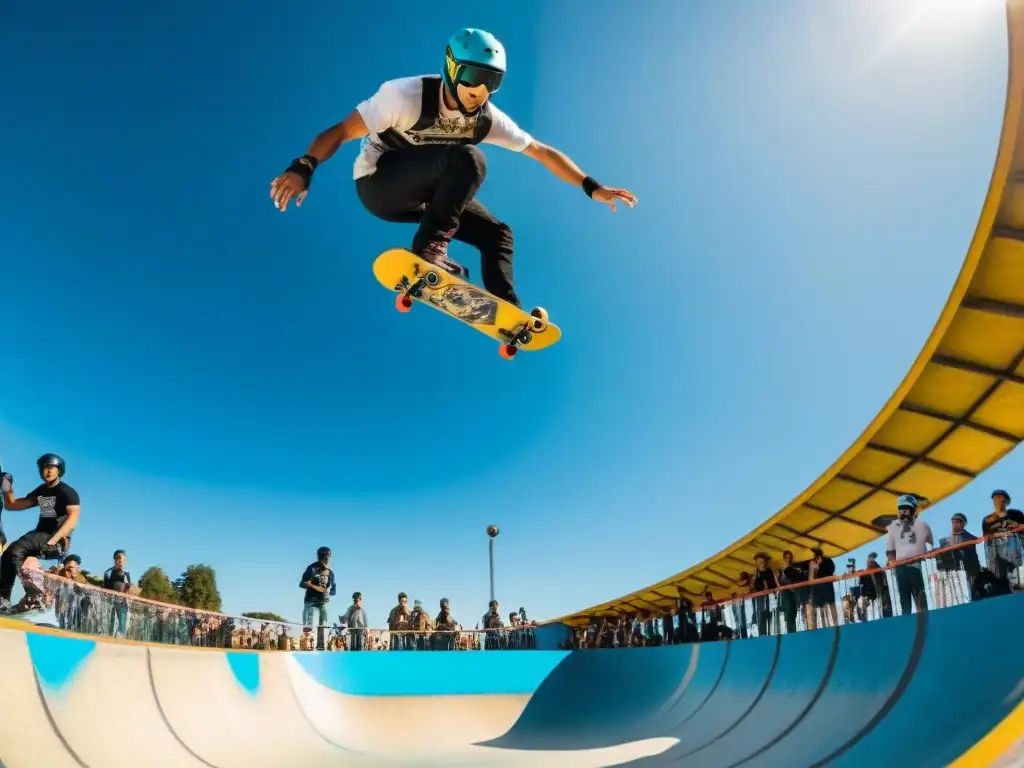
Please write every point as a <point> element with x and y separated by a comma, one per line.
<point>355,620</point>
<point>318,581</point>
<point>908,536</point>
<point>1003,552</point>
<point>419,163</point>
<point>59,507</point>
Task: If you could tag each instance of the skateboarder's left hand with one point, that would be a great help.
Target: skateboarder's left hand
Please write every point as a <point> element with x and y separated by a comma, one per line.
<point>609,195</point>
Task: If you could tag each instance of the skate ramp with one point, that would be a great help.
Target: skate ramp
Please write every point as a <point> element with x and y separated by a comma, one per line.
<point>830,697</point>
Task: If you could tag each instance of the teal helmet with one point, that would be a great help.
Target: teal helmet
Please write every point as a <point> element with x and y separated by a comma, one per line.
<point>906,501</point>
<point>473,58</point>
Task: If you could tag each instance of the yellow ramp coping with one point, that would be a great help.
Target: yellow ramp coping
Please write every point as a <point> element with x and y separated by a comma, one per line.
<point>958,411</point>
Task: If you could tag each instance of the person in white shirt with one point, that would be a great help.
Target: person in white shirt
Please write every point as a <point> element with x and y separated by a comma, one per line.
<point>418,161</point>
<point>908,536</point>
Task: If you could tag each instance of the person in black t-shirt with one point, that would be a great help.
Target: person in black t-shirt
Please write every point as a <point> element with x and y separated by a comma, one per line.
<point>318,581</point>
<point>117,579</point>
<point>1003,552</point>
<point>59,507</point>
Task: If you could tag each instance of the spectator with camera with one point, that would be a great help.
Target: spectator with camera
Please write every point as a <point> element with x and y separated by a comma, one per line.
<point>59,508</point>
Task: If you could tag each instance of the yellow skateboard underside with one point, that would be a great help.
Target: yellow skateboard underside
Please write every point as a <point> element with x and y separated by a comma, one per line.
<point>398,270</point>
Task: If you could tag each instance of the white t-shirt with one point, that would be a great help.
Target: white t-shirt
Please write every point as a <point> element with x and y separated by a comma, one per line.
<point>908,541</point>
<point>397,104</point>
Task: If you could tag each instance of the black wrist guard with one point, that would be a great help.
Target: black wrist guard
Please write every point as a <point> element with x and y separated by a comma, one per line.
<point>590,186</point>
<point>303,167</point>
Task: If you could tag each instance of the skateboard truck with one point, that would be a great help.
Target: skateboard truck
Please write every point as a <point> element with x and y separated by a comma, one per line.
<point>522,335</point>
<point>408,290</point>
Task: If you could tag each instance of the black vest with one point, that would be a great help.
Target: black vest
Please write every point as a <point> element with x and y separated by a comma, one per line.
<point>429,129</point>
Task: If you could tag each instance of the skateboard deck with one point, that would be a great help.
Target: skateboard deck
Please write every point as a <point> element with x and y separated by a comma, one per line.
<point>414,279</point>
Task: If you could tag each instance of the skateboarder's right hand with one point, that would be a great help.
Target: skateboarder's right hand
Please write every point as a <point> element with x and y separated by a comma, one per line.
<point>286,187</point>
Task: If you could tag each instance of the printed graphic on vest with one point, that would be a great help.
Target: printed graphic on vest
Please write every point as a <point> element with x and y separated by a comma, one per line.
<point>444,130</point>
<point>47,506</point>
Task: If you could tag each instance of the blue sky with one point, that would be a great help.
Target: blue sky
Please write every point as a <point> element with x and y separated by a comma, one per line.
<point>227,382</point>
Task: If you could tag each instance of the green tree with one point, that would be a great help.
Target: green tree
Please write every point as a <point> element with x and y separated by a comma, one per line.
<point>156,585</point>
<point>96,581</point>
<point>197,588</point>
<point>265,616</point>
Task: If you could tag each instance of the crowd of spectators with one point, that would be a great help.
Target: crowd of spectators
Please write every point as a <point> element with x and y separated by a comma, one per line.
<point>803,595</point>
<point>793,595</point>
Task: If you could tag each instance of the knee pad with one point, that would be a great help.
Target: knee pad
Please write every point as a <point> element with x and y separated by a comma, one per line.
<point>469,155</point>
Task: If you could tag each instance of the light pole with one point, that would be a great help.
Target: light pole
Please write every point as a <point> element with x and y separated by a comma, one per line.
<point>492,534</point>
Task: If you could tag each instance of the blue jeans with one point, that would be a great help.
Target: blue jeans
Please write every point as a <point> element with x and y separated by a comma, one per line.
<point>309,610</point>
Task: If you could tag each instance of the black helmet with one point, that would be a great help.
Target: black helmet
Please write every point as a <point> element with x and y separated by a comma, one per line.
<point>51,460</point>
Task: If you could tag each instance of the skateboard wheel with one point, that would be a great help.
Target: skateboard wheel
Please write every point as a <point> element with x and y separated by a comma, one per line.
<point>432,278</point>
<point>524,337</point>
<point>507,351</point>
<point>540,319</point>
<point>403,303</point>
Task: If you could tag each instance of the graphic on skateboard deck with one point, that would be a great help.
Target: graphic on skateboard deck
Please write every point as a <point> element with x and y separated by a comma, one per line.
<point>412,278</point>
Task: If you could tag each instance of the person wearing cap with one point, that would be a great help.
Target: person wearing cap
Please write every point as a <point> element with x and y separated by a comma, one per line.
<point>908,536</point>
<point>355,620</point>
<point>1003,553</point>
<point>319,585</point>
<point>966,557</point>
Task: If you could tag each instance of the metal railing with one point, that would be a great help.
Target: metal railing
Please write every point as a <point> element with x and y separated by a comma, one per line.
<point>944,577</point>
<point>951,575</point>
<point>81,608</point>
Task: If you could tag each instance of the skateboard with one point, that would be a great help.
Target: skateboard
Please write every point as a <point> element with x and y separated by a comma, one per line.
<point>412,278</point>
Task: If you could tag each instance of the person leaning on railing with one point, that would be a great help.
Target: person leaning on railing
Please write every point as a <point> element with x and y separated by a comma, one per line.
<point>1003,551</point>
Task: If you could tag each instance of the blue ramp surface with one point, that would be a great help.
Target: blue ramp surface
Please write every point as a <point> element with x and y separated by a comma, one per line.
<point>835,697</point>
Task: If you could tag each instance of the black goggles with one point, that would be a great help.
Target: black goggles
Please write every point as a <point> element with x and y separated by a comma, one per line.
<point>472,76</point>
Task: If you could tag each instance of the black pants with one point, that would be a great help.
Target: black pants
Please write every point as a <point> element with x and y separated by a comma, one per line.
<point>29,545</point>
<point>436,186</point>
<point>910,584</point>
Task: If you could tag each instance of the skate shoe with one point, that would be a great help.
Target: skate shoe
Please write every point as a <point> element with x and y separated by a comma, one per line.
<point>437,254</point>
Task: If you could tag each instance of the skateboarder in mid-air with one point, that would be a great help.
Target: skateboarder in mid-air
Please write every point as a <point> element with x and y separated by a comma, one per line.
<point>418,162</point>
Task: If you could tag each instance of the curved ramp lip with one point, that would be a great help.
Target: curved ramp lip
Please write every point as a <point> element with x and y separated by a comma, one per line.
<point>822,685</point>
<point>811,520</point>
<point>53,722</point>
<point>163,714</point>
<point>743,715</point>
<point>294,669</point>
<point>684,684</point>
<point>920,636</point>
<point>711,691</point>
